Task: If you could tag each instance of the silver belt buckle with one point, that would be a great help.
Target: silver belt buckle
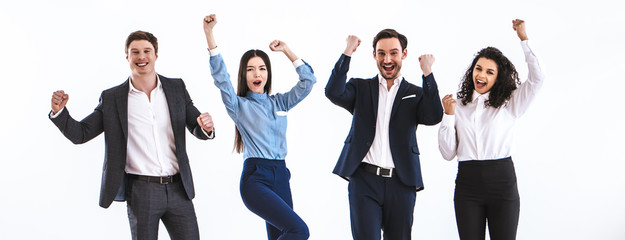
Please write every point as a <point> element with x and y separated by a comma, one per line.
<point>166,178</point>
<point>390,173</point>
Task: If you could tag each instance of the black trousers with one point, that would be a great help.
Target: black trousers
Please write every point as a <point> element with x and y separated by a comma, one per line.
<point>486,192</point>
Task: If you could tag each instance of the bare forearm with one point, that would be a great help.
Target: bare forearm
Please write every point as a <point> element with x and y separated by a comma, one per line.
<point>210,40</point>
<point>290,54</point>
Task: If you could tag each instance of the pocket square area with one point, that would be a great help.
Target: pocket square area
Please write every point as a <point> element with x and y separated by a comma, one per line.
<point>409,96</point>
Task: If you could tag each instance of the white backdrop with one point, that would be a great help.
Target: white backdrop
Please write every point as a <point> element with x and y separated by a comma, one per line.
<point>566,146</point>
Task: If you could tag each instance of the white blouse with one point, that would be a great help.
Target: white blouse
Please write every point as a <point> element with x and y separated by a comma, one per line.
<point>477,132</point>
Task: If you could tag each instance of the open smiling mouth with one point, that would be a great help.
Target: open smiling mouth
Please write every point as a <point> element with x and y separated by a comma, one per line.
<point>480,84</point>
<point>389,68</point>
<point>142,64</point>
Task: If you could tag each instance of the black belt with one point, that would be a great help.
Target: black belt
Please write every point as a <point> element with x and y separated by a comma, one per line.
<point>160,180</point>
<point>382,172</point>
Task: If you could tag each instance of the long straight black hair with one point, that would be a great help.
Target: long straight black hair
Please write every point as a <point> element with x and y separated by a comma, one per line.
<point>242,87</point>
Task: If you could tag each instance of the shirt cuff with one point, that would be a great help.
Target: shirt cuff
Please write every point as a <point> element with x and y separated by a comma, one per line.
<point>213,52</point>
<point>448,120</point>
<point>211,135</point>
<point>298,62</point>
<point>57,114</point>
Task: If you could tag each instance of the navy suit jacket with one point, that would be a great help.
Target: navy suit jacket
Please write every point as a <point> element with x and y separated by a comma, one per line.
<point>412,106</point>
<point>111,117</point>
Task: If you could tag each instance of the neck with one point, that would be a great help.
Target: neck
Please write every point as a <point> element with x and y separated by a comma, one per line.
<point>389,83</point>
<point>145,82</point>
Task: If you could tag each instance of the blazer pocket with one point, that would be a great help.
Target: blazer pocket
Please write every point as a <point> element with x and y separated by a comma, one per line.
<point>415,150</point>
<point>409,96</point>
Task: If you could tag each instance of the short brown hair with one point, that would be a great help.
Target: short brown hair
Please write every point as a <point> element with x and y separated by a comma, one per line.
<point>391,33</point>
<point>142,35</point>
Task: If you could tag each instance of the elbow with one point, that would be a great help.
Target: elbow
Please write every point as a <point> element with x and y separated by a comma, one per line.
<point>76,141</point>
<point>433,121</point>
<point>447,155</point>
<point>329,94</point>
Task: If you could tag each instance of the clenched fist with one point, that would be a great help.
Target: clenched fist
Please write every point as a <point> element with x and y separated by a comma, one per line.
<point>206,122</point>
<point>352,44</point>
<point>59,99</point>
<point>519,26</point>
<point>426,61</point>
<point>449,104</point>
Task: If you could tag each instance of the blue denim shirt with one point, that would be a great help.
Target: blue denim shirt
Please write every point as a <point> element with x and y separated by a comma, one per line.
<point>261,118</point>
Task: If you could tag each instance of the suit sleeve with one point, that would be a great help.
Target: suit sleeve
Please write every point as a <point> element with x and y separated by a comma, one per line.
<point>430,108</point>
<point>341,93</point>
<point>191,119</point>
<point>83,131</point>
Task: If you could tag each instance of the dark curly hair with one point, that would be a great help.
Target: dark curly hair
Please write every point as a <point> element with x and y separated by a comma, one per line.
<point>507,79</point>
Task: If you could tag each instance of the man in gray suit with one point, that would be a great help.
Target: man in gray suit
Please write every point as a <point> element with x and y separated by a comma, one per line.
<point>146,162</point>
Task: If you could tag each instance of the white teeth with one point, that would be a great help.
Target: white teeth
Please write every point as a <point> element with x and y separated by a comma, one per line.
<point>142,64</point>
<point>478,81</point>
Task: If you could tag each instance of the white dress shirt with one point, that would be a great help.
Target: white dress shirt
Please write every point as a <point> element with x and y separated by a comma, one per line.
<point>380,152</point>
<point>477,132</point>
<point>151,150</point>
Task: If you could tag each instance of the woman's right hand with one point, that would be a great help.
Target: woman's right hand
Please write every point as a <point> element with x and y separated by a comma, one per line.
<point>209,22</point>
<point>449,104</point>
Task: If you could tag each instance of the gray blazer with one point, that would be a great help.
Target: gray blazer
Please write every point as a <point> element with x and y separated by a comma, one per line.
<point>111,117</point>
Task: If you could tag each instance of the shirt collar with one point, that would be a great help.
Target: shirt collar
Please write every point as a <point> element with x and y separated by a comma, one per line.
<point>132,87</point>
<point>382,80</point>
<point>254,95</point>
<point>477,95</point>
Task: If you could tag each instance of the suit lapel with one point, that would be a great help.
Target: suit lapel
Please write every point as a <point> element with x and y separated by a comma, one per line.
<point>375,94</point>
<point>121,100</point>
<point>401,92</point>
<point>170,95</point>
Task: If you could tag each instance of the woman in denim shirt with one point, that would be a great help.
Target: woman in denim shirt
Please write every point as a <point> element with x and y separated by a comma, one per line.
<point>260,120</point>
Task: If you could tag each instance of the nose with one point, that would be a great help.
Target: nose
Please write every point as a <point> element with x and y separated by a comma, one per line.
<point>387,58</point>
<point>480,75</point>
<point>141,56</point>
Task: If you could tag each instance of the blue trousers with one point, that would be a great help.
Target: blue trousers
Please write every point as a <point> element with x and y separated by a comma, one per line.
<point>380,204</point>
<point>265,191</point>
<point>486,191</point>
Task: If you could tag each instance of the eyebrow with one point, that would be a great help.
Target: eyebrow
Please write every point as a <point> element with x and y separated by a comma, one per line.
<point>249,66</point>
<point>382,50</point>
<point>477,65</point>
<point>148,48</point>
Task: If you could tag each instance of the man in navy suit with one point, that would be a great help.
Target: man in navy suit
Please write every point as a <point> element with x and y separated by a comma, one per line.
<point>380,157</point>
<point>146,162</point>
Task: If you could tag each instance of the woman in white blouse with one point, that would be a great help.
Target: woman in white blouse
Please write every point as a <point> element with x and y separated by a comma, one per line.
<point>478,131</point>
